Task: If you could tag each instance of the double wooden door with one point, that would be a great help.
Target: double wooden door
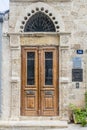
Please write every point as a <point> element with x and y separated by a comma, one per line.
<point>39,96</point>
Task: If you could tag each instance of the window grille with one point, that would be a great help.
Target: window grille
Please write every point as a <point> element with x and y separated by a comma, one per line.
<point>39,22</point>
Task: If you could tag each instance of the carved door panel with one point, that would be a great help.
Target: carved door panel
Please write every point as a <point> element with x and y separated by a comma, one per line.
<point>49,81</point>
<point>29,94</point>
<point>39,81</point>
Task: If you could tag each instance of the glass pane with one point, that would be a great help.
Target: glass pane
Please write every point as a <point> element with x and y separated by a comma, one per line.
<point>30,55</point>
<point>48,55</point>
<point>48,68</point>
<point>30,68</point>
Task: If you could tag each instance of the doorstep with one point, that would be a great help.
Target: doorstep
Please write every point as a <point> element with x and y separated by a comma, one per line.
<point>35,123</point>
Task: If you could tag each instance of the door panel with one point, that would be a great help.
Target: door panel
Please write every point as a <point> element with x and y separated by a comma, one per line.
<point>39,81</point>
<point>29,81</point>
<point>49,84</point>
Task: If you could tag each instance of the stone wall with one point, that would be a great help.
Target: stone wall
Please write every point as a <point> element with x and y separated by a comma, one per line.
<point>6,65</point>
<point>72,36</point>
<point>1,24</point>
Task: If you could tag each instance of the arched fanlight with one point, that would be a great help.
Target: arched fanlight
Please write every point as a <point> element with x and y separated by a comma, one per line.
<point>39,22</point>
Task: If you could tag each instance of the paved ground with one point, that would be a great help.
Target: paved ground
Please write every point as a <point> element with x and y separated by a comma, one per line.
<point>70,127</point>
<point>76,127</point>
<point>73,127</point>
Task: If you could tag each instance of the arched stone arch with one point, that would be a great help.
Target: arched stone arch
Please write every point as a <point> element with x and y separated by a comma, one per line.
<point>52,13</point>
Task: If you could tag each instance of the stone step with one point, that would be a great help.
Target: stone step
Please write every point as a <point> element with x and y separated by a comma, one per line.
<point>32,125</point>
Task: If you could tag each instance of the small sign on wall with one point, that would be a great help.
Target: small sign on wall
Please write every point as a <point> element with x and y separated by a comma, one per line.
<point>77,85</point>
<point>79,51</point>
<point>77,75</point>
<point>77,62</point>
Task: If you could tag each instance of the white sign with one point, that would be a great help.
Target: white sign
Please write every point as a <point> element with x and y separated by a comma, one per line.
<point>77,62</point>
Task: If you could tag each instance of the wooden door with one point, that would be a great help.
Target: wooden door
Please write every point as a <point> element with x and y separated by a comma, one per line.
<point>39,81</point>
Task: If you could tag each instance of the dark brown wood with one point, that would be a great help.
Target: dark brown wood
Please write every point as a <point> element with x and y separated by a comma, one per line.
<point>39,99</point>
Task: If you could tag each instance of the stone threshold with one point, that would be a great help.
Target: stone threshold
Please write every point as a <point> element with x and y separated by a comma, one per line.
<point>23,118</point>
<point>35,123</point>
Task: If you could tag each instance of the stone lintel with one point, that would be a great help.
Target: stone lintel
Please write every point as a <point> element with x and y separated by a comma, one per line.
<point>40,0</point>
<point>40,33</point>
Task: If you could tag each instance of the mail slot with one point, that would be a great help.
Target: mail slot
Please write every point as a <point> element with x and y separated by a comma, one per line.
<point>30,92</point>
<point>48,92</point>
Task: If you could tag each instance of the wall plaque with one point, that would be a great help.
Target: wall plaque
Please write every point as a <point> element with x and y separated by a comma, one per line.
<point>77,62</point>
<point>77,75</point>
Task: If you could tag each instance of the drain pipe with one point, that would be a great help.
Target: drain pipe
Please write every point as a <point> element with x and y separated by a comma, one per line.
<point>1,24</point>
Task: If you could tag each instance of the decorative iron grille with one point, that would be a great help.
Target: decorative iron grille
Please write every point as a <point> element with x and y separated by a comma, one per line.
<point>39,22</point>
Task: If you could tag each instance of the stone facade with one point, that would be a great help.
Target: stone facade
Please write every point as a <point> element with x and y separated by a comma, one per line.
<point>1,23</point>
<point>71,16</point>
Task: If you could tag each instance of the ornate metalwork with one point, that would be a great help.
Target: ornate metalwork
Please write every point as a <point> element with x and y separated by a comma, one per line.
<point>30,68</point>
<point>39,22</point>
<point>48,68</point>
